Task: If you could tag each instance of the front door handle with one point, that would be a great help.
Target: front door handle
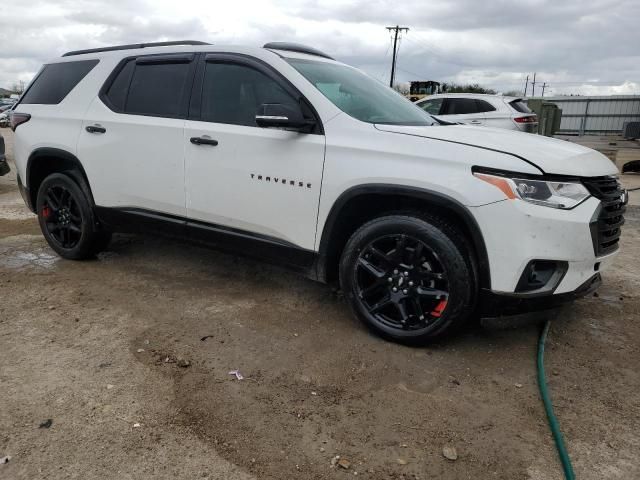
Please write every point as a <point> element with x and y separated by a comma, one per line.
<point>203,141</point>
<point>96,129</point>
<point>475,122</point>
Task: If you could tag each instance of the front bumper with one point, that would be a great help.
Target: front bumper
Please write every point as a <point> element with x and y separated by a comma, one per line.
<point>517,232</point>
<point>494,304</point>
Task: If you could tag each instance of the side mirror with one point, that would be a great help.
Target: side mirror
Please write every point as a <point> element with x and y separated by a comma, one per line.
<point>277,115</point>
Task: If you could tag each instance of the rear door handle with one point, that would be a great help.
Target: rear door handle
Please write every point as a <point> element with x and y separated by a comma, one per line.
<point>203,141</point>
<point>96,129</point>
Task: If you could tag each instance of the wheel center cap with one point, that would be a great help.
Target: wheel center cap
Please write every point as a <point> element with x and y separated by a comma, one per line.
<point>399,282</point>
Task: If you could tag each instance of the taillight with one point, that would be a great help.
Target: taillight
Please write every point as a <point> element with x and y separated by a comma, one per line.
<point>16,119</point>
<point>527,119</point>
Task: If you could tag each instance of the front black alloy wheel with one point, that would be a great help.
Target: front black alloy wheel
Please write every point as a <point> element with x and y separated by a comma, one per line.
<point>407,278</point>
<point>401,282</point>
<point>67,220</point>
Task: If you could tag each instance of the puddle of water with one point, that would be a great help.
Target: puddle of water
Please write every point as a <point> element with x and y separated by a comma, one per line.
<point>18,260</point>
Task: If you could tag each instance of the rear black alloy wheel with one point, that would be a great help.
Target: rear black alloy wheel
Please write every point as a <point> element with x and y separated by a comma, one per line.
<point>409,278</point>
<point>62,216</point>
<point>66,217</point>
<point>401,282</point>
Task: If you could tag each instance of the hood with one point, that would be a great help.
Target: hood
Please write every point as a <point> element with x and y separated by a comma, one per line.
<point>549,154</point>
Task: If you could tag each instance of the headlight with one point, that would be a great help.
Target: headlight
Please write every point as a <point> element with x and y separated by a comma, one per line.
<point>553,194</point>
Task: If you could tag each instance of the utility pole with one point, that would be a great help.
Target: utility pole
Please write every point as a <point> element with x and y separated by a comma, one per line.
<point>533,85</point>
<point>397,29</point>
<point>544,85</point>
<point>526,85</point>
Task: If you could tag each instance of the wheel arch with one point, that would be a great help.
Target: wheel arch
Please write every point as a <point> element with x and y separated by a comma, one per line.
<point>47,160</point>
<point>362,203</point>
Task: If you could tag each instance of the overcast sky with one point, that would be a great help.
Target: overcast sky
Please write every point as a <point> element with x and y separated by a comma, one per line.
<point>576,46</point>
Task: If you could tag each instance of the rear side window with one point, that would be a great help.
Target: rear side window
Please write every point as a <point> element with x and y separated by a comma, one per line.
<point>117,93</point>
<point>158,89</point>
<point>460,106</point>
<point>56,80</point>
<point>484,106</point>
<point>151,86</point>
<point>520,106</point>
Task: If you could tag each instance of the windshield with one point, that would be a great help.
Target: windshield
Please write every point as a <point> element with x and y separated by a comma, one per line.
<point>359,95</point>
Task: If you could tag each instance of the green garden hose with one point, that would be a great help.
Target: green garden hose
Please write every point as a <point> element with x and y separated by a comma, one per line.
<point>548,407</point>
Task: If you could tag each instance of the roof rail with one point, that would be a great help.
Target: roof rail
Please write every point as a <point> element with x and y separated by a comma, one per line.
<point>296,47</point>
<point>135,45</point>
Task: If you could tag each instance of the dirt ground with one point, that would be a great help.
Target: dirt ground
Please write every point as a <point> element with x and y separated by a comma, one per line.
<point>128,356</point>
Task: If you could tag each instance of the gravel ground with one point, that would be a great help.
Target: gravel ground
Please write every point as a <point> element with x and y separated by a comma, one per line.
<point>129,356</point>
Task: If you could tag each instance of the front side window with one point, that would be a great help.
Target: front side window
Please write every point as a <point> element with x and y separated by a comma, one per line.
<point>359,95</point>
<point>232,93</point>
<point>55,81</point>
<point>431,106</point>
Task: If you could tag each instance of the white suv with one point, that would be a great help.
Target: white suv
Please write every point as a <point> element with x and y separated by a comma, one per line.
<point>285,154</point>
<point>495,111</point>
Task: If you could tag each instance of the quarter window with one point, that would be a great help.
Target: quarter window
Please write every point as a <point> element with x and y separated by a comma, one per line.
<point>484,106</point>
<point>56,80</point>
<point>233,92</point>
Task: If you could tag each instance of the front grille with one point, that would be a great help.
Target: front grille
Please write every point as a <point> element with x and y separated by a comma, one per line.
<point>608,220</point>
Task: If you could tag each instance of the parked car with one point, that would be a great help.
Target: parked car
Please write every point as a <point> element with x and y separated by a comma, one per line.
<point>285,154</point>
<point>4,119</point>
<point>4,166</point>
<point>496,111</point>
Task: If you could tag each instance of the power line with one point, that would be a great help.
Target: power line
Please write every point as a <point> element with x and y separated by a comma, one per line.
<point>397,30</point>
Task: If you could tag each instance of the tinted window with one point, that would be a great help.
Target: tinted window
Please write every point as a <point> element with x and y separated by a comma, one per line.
<point>117,93</point>
<point>460,106</point>
<point>232,94</point>
<point>56,80</point>
<point>158,89</point>
<point>484,106</point>
<point>431,106</point>
<point>520,106</point>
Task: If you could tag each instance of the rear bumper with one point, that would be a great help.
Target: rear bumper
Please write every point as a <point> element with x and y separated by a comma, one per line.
<point>4,166</point>
<point>499,304</point>
<point>26,196</point>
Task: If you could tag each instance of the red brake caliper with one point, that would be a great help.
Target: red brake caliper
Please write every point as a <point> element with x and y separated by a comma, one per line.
<point>46,212</point>
<point>437,312</point>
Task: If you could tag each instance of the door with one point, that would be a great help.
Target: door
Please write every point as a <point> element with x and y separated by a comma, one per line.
<point>463,110</point>
<point>263,182</point>
<point>131,143</point>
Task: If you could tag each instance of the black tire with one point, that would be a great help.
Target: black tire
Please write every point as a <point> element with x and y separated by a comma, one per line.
<point>67,220</point>
<point>427,262</point>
